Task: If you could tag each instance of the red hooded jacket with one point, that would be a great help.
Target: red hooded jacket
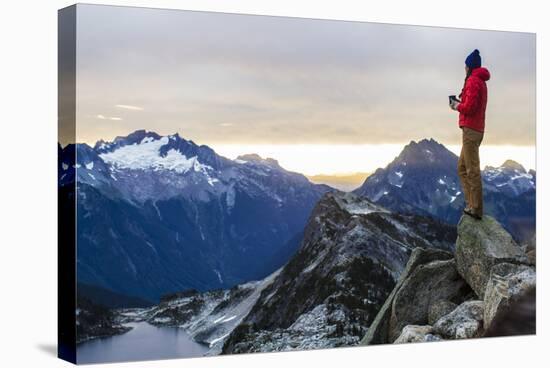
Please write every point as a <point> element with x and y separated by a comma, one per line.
<point>474,100</point>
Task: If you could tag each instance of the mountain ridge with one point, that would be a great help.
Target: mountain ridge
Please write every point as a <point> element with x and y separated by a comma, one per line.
<point>161,213</point>
<point>329,292</point>
<point>179,195</point>
<point>423,179</point>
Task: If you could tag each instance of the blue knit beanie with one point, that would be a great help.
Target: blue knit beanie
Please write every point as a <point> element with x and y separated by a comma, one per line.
<point>473,60</point>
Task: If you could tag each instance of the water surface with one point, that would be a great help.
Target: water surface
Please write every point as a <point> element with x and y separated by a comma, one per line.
<point>143,342</point>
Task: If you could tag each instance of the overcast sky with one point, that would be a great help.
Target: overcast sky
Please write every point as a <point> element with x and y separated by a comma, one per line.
<point>225,79</point>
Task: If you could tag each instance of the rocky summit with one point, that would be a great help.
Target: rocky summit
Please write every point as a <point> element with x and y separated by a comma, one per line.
<point>364,276</point>
<point>479,246</point>
<point>328,294</point>
<point>507,284</point>
<point>159,214</point>
<point>423,179</point>
<point>487,288</point>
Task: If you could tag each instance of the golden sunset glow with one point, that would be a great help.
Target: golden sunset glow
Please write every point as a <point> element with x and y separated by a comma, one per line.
<point>321,97</point>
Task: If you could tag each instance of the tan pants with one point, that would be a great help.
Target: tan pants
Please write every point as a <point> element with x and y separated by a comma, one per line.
<point>469,171</point>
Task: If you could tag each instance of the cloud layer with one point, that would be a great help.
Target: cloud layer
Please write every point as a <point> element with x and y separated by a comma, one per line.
<point>241,79</point>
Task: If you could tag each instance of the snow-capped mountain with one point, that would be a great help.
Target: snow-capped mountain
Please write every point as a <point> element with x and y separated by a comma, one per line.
<point>158,214</point>
<point>423,179</point>
<point>511,179</point>
<point>327,295</point>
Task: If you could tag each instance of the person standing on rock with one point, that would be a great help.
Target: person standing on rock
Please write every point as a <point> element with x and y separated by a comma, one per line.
<point>471,108</point>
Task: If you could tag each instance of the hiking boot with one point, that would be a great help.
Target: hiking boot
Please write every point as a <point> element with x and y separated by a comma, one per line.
<point>470,212</point>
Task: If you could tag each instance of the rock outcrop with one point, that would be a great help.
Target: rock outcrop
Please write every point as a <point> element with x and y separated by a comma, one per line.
<point>413,333</point>
<point>96,321</point>
<point>487,288</point>
<point>429,277</point>
<point>427,284</point>
<point>465,322</point>
<point>352,254</point>
<point>440,309</point>
<point>479,246</point>
<point>519,319</point>
<point>507,283</point>
<point>531,250</point>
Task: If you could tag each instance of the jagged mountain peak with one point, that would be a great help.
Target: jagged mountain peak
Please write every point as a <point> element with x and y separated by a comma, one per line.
<point>422,170</point>
<point>250,157</point>
<point>144,149</point>
<point>508,166</point>
<point>353,204</point>
<point>86,154</point>
<point>511,164</point>
<point>166,203</point>
<point>424,151</point>
<point>163,147</point>
<point>135,137</point>
<point>424,143</point>
<point>510,179</point>
<point>255,158</point>
<point>423,179</point>
<point>351,254</point>
<point>144,152</point>
<point>138,135</point>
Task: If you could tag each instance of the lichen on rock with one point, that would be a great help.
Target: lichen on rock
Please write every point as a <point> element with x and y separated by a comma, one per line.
<point>439,309</point>
<point>379,329</point>
<point>427,284</point>
<point>479,246</point>
<point>414,333</point>
<point>465,322</point>
<point>508,282</point>
<point>487,289</point>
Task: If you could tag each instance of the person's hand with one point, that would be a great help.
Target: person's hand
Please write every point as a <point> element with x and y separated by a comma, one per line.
<point>453,105</point>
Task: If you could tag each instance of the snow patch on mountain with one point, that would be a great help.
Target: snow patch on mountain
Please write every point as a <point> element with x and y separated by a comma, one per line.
<point>219,275</point>
<point>356,205</point>
<point>396,179</point>
<point>230,197</point>
<point>510,178</point>
<point>208,317</point>
<point>157,209</point>
<point>140,179</point>
<point>146,155</point>
<point>151,246</point>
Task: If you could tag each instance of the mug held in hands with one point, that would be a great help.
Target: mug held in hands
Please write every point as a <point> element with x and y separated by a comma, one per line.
<point>453,102</point>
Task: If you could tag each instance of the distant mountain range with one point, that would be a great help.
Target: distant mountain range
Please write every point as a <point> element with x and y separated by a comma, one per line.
<point>345,182</point>
<point>328,293</point>
<point>423,179</point>
<point>351,256</point>
<point>246,256</point>
<point>162,214</point>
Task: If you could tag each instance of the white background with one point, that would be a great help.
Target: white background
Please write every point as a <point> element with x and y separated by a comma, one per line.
<point>28,149</point>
